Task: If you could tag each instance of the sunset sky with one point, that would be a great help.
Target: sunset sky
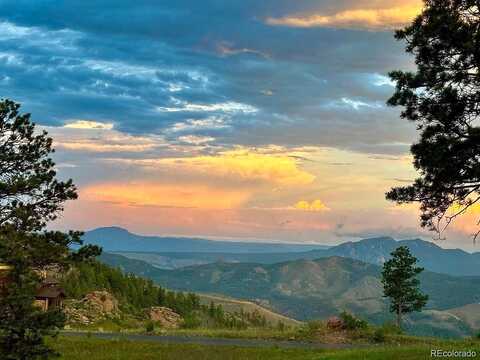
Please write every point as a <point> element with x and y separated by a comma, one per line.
<point>224,119</point>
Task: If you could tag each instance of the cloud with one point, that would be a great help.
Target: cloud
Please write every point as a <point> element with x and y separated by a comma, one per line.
<point>235,79</point>
<point>99,137</point>
<point>88,124</point>
<point>355,104</point>
<point>195,140</point>
<point>227,107</point>
<point>56,39</point>
<point>364,18</point>
<point>227,49</point>
<point>90,146</point>
<point>192,125</point>
<point>166,195</point>
<point>315,205</point>
<point>240,165</point>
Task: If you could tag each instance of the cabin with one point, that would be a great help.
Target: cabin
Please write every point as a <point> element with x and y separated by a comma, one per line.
<point>49,294</point>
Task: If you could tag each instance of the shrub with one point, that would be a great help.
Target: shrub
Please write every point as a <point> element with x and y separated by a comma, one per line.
<point>191,321</point>
<point>150,327</point>
<point>379,335</point>
<point>391,329</point>
<point>351,322</point>
<point>315,325</point>
<point>310,329</point>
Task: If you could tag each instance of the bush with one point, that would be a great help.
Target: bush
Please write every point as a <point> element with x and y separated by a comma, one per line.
<point>478,335</point>
<point>150,327</point>
<point>315,325</point>
<point>351,322</point>
<point>191,321</point>
<point>391,329</point>
<point>380,334</point>
<point>311,329</point>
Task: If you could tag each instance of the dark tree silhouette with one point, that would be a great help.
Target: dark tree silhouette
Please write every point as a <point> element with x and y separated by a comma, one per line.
<point>401,285</point>
<point>30,196</point>
<point>443,98</point>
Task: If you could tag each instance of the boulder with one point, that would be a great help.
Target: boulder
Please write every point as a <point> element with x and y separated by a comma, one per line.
<point>166,317</point>
<point>95,306</point>
<point>335,323</point>
<point>101,301</point>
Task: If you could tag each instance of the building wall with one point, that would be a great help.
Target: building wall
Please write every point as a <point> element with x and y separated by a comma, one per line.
<point>42,304</point>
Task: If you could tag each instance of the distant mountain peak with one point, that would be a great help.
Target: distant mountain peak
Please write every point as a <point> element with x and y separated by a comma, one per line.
<point>419,242</point>
<point>113,229</point>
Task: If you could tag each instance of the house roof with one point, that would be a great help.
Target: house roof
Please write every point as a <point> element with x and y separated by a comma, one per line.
<point>49,280</point>
<point>50,292</point>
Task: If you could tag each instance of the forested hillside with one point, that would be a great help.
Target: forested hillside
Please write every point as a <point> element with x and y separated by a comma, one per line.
<point>135,294</point>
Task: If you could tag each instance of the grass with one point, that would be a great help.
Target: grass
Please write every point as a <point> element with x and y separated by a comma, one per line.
<point>112,325</point>
<point>315,331</point>
<point>250,333</point>
<point>95,349</point>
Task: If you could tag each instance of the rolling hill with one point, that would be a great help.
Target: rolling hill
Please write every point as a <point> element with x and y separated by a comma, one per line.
<point>229,304</point>
<point>234,305</point>
<point>374,251</point>
<point>314,288</point>
<point>317,289</point>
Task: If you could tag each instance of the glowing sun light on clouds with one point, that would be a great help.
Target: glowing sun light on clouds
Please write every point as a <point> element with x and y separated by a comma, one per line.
<point>386,16</point>
<point>227,180</point>
<point>166,195</point>
<point>316,205</point>
<point>240,165</point>
<point>88,124</point>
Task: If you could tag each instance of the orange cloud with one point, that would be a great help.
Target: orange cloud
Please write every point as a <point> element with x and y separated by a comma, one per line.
<point>365,18</point>
<point>316,205</point>
<point>243,164</point>
<point>166,195</point>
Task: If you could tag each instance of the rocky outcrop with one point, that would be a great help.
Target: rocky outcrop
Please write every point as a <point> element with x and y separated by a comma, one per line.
<point>335,323</point>
<point>95,306</point>
<point>165,317</point>
<point>102,302</point>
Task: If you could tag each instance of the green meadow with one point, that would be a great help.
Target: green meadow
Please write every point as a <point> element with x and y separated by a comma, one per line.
<point>80,348</point>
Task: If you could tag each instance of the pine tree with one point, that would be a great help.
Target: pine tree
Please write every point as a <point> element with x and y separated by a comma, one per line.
<point>30,197</point>
<point>441,97</point>
<point>400,283</point>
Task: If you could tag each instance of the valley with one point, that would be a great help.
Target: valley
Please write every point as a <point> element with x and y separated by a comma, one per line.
<point>373,251</point>
<point>317,289</point>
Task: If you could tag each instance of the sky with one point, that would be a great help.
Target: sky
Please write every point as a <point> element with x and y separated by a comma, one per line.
<point>258,120</point>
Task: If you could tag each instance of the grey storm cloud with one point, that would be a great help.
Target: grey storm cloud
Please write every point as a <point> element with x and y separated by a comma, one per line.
<point>158,67</point>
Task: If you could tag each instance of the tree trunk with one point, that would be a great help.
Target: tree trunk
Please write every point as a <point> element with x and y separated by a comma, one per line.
<point>399,316</point>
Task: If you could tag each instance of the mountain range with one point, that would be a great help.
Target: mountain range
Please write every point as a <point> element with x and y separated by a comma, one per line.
<point>173,253</point>
<point>317,289</point>
<point>305,282</point>
<point>119,239</point>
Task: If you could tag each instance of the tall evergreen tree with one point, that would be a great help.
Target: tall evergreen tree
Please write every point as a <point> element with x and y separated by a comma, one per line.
<point>400,283</point>
<point>30,197</point>
<point>442,98</point>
